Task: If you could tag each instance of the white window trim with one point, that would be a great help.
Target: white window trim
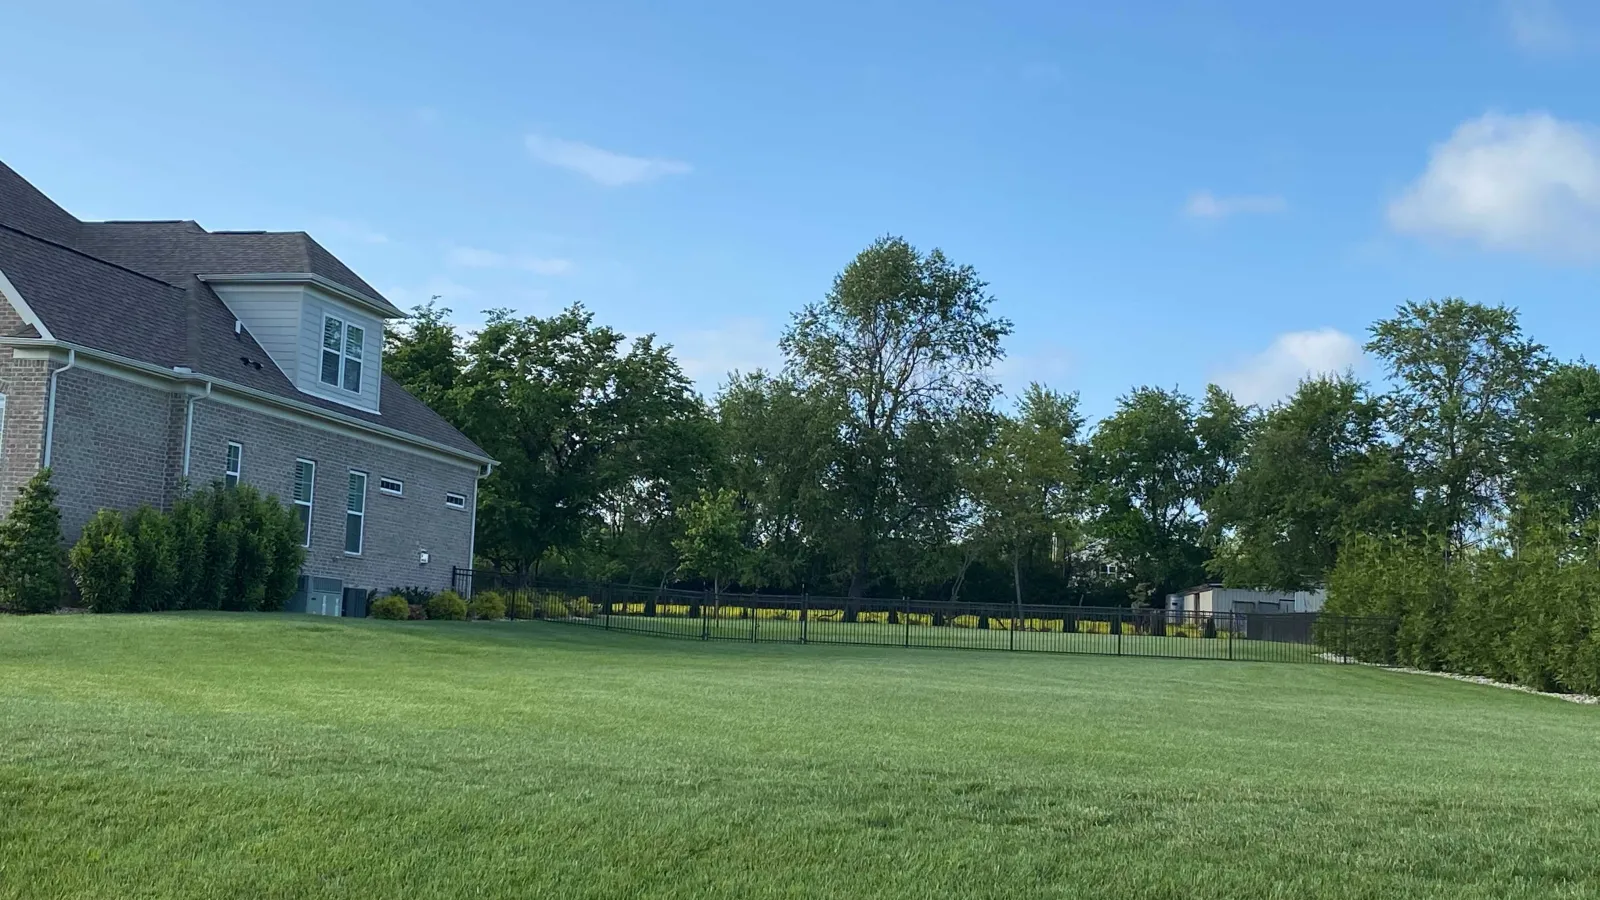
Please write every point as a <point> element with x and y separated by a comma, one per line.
<point>311,501</point>
<point>398,492</point>
<point>452,494</point>
<point>2,424</point>
<point>238,473</point>
<point>344,351</point>
<point>361,530</point>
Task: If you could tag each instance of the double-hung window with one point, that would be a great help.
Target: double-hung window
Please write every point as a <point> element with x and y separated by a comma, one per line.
<point>355,513</point>
<point>230,475</point>
<point>342,347</point>
<point>305,491</point>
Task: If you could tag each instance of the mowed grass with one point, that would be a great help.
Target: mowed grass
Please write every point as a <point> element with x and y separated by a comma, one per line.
<point>218,755</point>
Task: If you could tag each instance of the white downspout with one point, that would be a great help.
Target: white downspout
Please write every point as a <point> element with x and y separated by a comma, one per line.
<point>50,415</point>
<point>188,427</point>
<point>484,471</point>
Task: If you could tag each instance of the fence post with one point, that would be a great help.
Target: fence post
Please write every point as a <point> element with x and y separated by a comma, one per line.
<point>605,597</point>
<point>805,615</point>
<point>751,609</point>
<point>905,616</point>
<point>1344,640</point>
<point>1233,621</point>
<point>705,622</point>
<point>1118,625</point>
<point>1011,634</point>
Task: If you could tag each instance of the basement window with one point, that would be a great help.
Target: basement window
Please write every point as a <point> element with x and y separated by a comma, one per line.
<point>393,486</point>
<point>455,501</point>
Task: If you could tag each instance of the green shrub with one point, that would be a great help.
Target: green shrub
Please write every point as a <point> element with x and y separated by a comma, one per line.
<point>31,571</point>
<point>102,563</point>
<point>487,605</point>
<point>416,596</point>
<point>392,606</point>
<point>521,606</point>
<point>191,522</point>
<point>155,560</point>
<point>553,606</point>
<point>447,605</point>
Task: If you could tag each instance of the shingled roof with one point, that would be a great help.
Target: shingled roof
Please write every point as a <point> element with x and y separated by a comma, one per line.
<point>129,289</point>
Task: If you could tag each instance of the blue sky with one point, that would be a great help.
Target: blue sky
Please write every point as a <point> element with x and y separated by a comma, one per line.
<point>1163,193</point>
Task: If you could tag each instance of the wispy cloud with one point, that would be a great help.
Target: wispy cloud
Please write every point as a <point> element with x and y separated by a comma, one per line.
<point>444,291</point>
<point>1543,28</point>
<point>1206,205</point>
<point>602,166</point>
<point>346,229</point>
<point>1528,183</point>
<point>707,355</point>
<point>475,258</point>
<point>1275,372</point>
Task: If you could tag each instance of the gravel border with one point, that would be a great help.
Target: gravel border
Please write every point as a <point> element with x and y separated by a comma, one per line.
<point>1583,699</point>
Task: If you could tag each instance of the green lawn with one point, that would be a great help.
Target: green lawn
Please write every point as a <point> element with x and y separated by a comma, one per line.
<point>232,755</point>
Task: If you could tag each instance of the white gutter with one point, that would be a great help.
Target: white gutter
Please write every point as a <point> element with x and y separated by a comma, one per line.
<point>188,426</point>
<point>484,471</point>
<point>50,416</point>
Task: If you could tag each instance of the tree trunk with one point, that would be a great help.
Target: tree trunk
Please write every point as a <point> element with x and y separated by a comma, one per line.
<point>1016,581</point>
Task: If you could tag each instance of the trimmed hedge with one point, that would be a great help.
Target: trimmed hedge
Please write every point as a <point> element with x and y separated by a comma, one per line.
<point>1529,615</point>
<point>487,605</point>
<point>447,605</point>
<point>392,606</point>
<point>219,548</point>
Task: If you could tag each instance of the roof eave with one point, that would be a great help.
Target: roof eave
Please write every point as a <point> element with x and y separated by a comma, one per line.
<point>267,397</point>
<point>374,304</point>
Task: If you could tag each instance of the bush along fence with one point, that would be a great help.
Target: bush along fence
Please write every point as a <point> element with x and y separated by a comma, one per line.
<point>1526,613</point>
<point>706,615</point>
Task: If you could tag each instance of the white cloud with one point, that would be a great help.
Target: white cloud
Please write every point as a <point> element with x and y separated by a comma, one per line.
<point>1527,183</point>
<point>1206,205</point>
<point>1293,356</point>
<point>707,355</point>
<point>475,258</point>
<point>602,166</point>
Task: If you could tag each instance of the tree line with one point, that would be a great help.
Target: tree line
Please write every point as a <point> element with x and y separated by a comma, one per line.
<point>880,459</point>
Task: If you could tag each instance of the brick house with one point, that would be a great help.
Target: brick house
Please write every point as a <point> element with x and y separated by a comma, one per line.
<point>140,357</point>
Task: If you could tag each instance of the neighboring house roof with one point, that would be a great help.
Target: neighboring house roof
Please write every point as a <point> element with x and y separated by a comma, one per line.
<point>175,320</point>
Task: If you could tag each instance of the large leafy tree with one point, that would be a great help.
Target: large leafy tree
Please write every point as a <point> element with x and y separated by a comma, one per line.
<point>903,342</point>
<point>1559,446</point>
<point>1155,463</point>
<point>1028,486</point>
<point>572,411</point>
<point>1316,472</point>
<point>1461,370</point>
<point>780,447</point>
<point>424,356</point>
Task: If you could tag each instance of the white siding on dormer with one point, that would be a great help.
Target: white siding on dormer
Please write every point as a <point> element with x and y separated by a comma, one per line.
<point>272,314</point>
<point>312,309</point>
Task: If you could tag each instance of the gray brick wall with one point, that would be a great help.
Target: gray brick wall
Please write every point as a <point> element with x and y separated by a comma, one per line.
<point>397,528</point>
<point>113,448</point>
<point>22,439</point>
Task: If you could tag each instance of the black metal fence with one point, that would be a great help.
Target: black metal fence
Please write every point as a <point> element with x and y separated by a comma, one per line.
<point>705,615</point>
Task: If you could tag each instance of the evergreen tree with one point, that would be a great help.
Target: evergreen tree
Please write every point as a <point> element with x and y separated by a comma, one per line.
<point>31,576</point>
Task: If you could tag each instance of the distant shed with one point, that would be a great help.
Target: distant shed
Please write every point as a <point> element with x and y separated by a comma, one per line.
<point>1214,598</point>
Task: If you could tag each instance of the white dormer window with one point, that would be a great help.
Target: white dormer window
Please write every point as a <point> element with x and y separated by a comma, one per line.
<point>341,353</point>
